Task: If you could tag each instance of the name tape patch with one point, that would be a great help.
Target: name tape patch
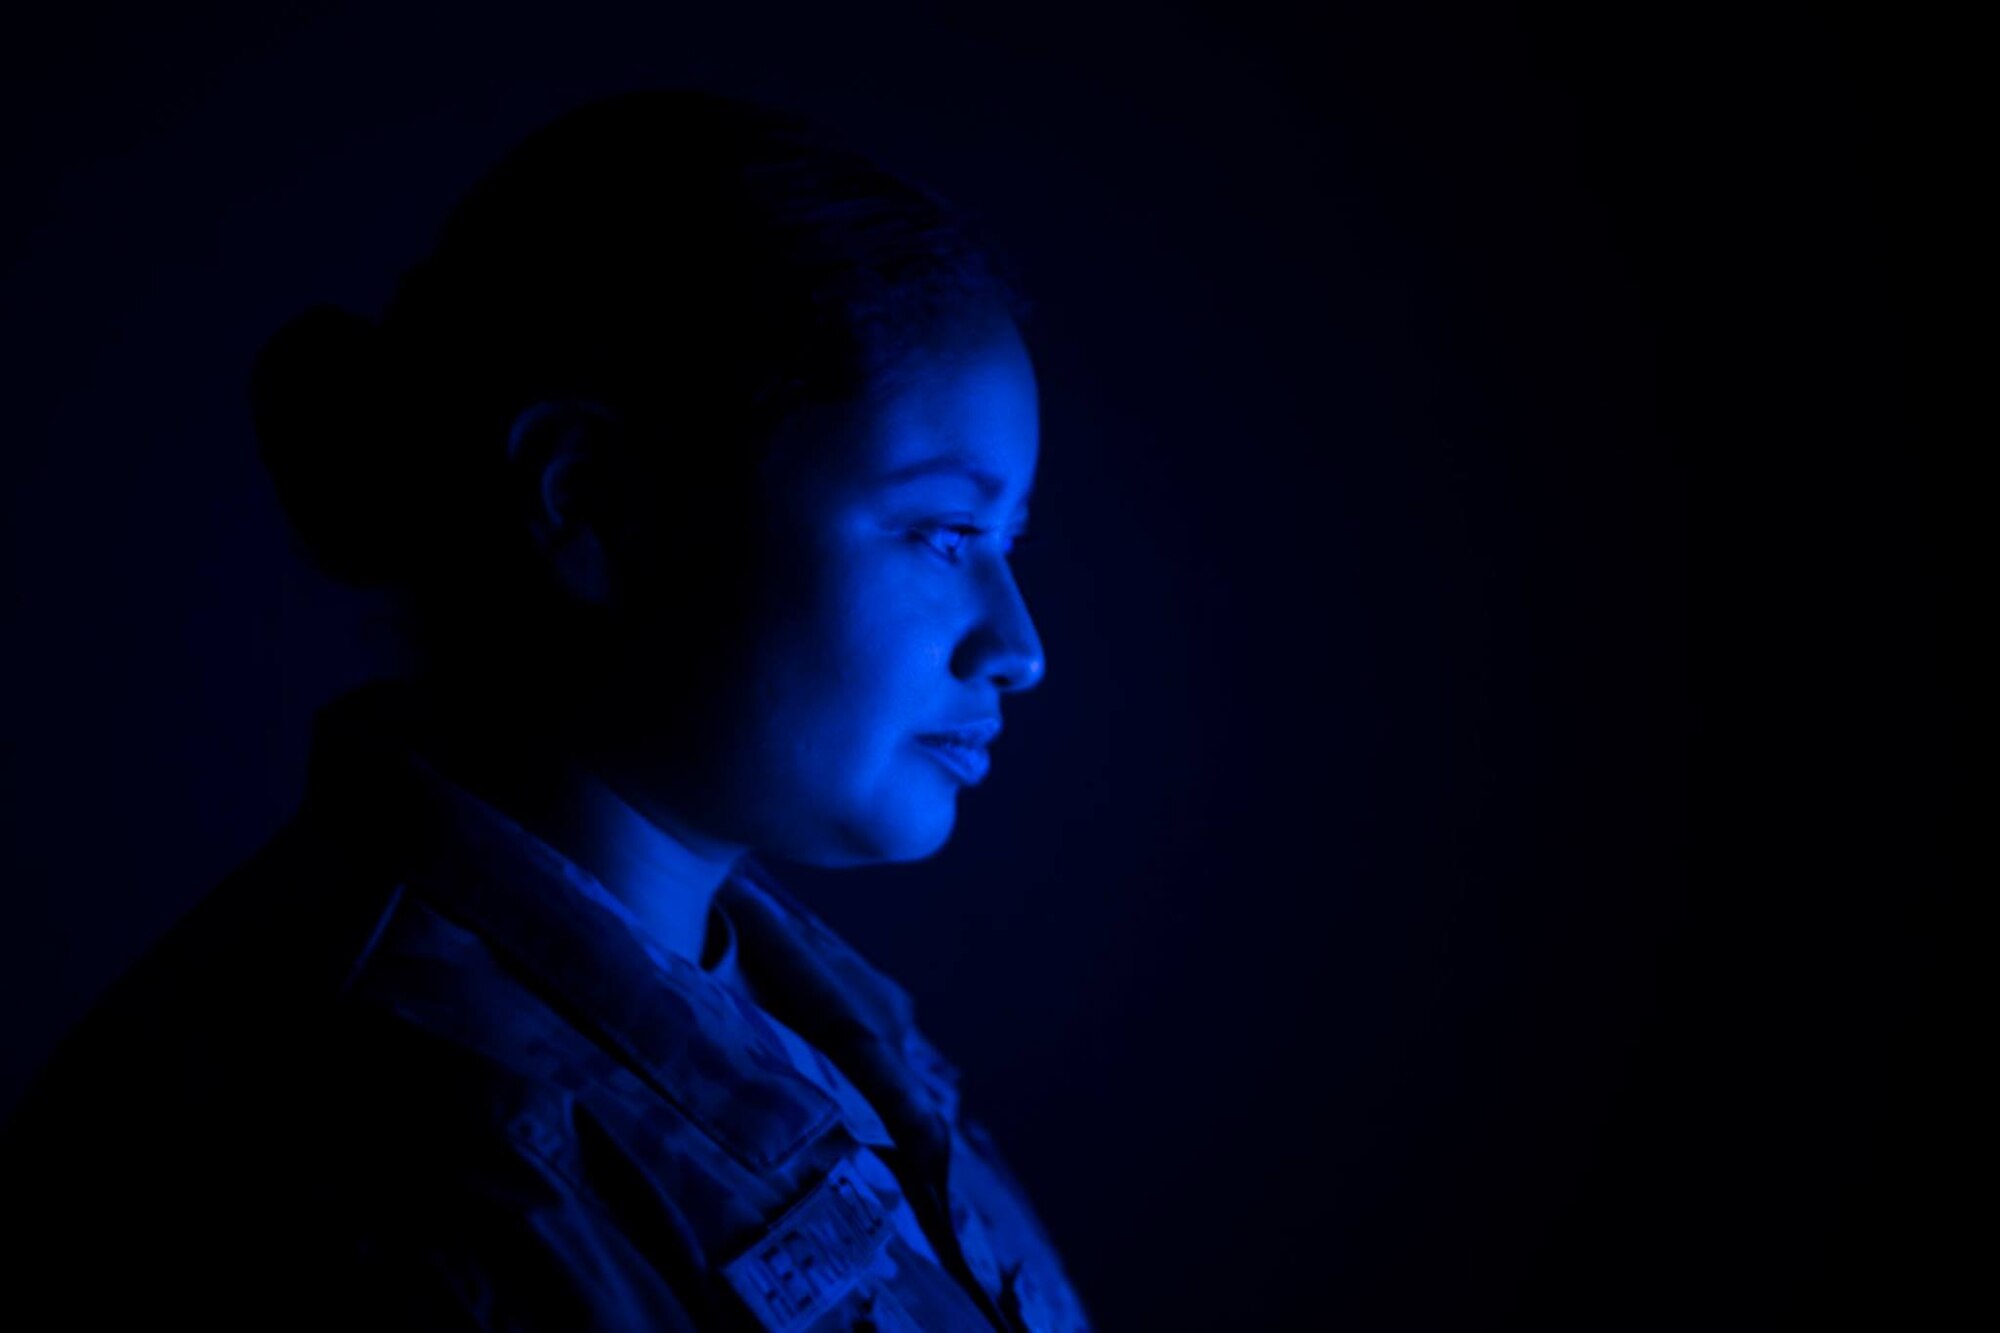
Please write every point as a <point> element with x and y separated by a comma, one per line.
<point>812,1255</point>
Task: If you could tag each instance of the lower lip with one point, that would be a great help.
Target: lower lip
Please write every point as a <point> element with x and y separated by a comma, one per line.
<point>968,763</point>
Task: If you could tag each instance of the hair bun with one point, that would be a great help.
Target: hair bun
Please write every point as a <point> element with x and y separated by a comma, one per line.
<point>321,401</point>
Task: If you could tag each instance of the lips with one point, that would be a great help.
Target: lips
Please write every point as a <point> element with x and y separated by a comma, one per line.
<point>968,763</point>
<point>977,734</point>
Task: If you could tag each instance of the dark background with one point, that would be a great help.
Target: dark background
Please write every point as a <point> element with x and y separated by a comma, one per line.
<point>1476,860</point>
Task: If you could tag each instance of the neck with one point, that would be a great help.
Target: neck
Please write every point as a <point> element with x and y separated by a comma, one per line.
<point>664,872</point>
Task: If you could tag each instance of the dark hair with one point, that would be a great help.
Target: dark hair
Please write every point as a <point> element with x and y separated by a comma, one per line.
<point>699,265</point>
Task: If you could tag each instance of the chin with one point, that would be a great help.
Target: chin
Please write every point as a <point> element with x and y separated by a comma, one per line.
<point>925,848</point>
<point>879,842</point>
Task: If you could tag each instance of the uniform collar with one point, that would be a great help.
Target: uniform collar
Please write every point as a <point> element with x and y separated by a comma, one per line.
<point>369,780</point>
<point>815,982</point>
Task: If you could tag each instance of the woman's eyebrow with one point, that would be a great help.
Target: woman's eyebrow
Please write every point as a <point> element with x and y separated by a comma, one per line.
<point>959,465</point>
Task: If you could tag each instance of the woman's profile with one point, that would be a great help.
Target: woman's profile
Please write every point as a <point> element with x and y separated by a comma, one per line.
<point>692,456</point>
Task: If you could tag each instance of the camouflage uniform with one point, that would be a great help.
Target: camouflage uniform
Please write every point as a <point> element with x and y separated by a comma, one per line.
<point>408,1068</point>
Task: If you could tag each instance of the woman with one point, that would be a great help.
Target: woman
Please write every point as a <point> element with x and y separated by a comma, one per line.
<point>694,453</point>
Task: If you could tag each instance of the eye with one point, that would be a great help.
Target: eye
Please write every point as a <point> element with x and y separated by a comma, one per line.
<point>953,550</point>
<point>950,550</point>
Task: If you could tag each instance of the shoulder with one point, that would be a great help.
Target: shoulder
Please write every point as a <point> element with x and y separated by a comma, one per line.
<point>315,1082</point>
<point>230,983</point>
<point>257,1035</point>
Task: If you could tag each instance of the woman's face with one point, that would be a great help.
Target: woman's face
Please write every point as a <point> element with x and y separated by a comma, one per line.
<point>884,610</point>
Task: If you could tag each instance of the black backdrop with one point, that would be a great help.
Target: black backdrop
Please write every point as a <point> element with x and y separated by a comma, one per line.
<point>1475,860</point>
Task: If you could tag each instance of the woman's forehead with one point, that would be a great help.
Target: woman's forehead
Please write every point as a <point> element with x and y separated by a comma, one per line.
<point>963,415</point>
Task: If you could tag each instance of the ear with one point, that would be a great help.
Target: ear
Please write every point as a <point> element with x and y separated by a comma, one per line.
<point>560,455</point>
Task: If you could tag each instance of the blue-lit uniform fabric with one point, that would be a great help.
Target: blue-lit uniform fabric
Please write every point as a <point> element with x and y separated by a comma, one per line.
<point>412,1067</point>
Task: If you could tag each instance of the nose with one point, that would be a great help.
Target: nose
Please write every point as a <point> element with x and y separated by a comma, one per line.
<point>1004,647</point>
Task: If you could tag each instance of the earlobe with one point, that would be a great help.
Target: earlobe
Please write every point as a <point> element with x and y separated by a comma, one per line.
<point>552,448</point>
<point>581,564</point>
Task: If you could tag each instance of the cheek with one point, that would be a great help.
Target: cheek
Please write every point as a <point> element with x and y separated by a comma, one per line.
<point>874,619</point>
<point>871,680</point>
<point>858,658</point>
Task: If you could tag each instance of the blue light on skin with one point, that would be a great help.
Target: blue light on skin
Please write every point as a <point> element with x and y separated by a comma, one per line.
<point>884,608</point>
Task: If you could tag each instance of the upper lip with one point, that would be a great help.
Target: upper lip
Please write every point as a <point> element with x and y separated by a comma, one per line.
<point>976,733</point>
